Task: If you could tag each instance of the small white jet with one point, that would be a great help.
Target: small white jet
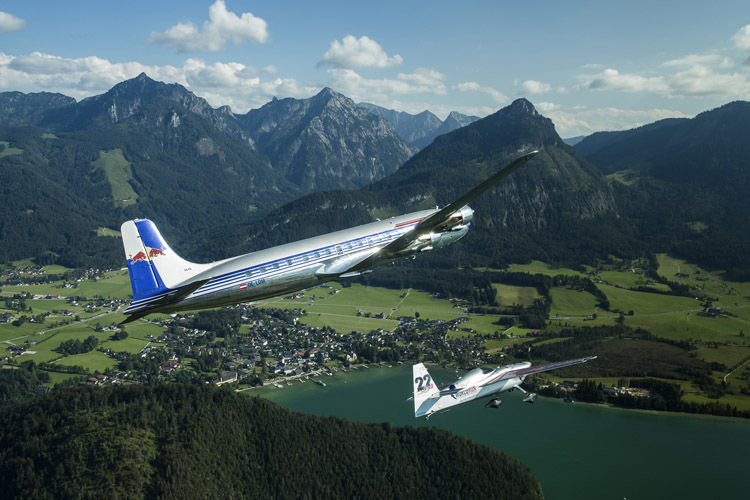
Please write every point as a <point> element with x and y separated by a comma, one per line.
<point>475,384</point>
<point>163,282</point>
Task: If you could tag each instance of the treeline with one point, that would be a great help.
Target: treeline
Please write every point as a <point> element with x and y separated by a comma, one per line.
<point>166,440</point>
<point>75,346</point>
<point>663,396</point>
<point>21,382</point>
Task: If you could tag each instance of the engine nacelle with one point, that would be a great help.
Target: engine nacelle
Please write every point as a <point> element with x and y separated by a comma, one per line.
<point>460,218</point>
<point>495,403</point>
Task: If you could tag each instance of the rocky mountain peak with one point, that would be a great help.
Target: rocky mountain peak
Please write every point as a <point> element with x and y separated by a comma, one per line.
<point>521,107</point>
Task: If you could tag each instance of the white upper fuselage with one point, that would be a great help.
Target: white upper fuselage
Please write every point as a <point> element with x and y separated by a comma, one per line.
<point>294,266</point>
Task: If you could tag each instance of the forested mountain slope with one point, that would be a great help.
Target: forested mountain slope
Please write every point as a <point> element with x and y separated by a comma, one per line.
<point>177,441</point>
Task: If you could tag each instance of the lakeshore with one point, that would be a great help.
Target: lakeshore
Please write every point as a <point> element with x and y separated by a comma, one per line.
<point>575,450</point>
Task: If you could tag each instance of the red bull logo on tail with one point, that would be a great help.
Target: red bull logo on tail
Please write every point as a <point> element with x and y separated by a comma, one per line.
<point>138,257</point>
<point>155,252</point>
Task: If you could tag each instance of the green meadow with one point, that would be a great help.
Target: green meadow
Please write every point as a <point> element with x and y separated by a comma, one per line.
<point>95,361</point>
<point>567,302</point>
<point>538,267</point>
<point>119,173</point>
<point>508,295</point>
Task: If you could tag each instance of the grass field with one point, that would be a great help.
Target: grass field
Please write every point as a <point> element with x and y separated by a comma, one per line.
<point>8,151</point>
<point>691,326</point>
<point>538,267</point>
<point>508,295</point>
<point>346,324</point>
<point>119,173</point>
<point>647,303</point>
<point>115,284</point>
<point>627,177</point>
<point>567,302</point>
<point>105,231</point>
<point>95,361</point>
<point>339,311</point>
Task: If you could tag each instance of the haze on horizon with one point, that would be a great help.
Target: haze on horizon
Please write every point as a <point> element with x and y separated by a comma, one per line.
<point>589,66</point>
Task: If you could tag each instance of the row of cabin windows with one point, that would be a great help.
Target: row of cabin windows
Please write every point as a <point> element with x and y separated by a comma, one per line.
<point>317,255</point>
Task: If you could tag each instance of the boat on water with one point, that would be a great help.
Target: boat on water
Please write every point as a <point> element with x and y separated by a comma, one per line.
<point>278,386</point>
<point>320,383</point>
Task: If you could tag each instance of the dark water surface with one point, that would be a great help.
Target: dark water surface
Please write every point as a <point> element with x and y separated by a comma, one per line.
<point>576,451</point>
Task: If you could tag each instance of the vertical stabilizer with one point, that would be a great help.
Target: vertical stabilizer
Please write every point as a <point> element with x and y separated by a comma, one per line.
<point>154,268</point>
<point>424,388</point>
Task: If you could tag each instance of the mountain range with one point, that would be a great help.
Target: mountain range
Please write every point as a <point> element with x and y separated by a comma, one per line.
<point>557,191</point>
<point>421,129</point>
<point>218,183</point>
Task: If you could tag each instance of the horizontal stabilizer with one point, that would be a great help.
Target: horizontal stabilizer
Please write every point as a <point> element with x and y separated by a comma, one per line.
<point>174,296</point>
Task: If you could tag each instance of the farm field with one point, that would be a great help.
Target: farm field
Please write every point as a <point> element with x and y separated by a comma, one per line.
<point>508,295</point>
<point>566,302</point>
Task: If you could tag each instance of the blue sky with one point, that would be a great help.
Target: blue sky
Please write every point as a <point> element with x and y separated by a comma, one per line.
<point>589,66</point>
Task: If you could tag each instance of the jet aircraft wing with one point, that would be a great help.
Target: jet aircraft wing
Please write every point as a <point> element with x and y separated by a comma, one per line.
<point>434,220</point>
<point>522,372</point>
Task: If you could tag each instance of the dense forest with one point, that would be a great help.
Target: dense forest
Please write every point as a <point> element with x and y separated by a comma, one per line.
<point>180,441</point>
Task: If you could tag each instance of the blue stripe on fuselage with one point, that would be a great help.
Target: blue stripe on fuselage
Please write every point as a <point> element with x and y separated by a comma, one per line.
<point>231,279</point>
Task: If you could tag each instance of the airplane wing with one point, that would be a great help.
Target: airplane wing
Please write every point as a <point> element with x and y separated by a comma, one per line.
<point>522,372</point>
<point>436,219</point>
<point>347,266</point>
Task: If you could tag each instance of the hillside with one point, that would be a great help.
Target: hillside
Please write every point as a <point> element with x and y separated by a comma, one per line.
<point>710,148</point>
<point>557,194</point>
<point>180,441</point>
<point>682,185</point>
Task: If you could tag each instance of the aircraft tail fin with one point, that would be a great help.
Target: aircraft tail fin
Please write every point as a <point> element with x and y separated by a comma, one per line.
<point>424,387</point>
<point>154,268</point>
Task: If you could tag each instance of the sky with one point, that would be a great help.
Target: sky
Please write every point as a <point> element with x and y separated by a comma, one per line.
<point>587,65</point>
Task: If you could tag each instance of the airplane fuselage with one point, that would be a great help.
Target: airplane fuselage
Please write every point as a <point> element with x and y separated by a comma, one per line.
<point>305,263</point>
<point>476,384</point>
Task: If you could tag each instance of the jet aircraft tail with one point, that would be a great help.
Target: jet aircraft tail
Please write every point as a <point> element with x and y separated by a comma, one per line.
<point>424,387</point>
<point>154,268</point>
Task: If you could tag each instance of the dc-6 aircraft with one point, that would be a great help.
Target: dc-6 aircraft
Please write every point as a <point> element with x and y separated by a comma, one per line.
<point>476,384</point>
<point>165,283</point>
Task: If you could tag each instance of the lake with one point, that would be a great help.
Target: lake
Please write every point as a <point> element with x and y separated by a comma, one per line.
<point>575,450</point>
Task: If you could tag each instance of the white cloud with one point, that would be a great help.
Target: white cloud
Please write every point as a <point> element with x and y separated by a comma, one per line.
<point>611,79</point>
<point>352,84</point>
<point>9,22</point>
<point>535,87</point>
<point>697,80</point>
<point>496,95</point>
<point>362,52</point>
<point>546,107</point>
<point>221,26</point>
<point>423,80</point>
<point>693,59</point>
<point>700,80</point>
<point>742,38</point>
<point>234,84</point>
<point>571,122</point>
